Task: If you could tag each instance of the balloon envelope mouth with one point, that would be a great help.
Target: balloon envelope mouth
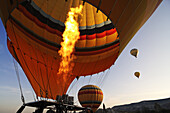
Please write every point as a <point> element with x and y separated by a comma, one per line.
<point>96,31</point>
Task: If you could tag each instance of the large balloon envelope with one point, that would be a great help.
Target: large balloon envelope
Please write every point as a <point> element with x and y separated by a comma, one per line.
<point>34,28</point>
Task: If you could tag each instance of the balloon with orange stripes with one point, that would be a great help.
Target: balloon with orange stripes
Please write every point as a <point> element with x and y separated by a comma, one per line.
<point>90,96</point>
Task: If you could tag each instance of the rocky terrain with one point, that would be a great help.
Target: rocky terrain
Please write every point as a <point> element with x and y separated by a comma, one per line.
<point>150,106</point>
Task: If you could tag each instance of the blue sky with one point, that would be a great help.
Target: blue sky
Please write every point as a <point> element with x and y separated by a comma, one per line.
<point>120,86</point>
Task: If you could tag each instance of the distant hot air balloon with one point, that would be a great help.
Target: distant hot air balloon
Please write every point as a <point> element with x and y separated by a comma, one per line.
<point>90,96</point>
<point>134,52</point>
<point>137,74</point>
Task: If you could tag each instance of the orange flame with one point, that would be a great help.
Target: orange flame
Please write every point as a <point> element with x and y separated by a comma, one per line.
<point>70,36</point>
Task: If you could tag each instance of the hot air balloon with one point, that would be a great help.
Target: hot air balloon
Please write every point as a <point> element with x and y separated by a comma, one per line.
<point>90,96</point>
<point>137,74</point>
<point>35,39</point>
<point>134,52</point>
<point>35,27</point>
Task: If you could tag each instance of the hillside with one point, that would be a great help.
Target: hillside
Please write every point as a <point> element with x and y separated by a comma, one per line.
<point>149,106</point>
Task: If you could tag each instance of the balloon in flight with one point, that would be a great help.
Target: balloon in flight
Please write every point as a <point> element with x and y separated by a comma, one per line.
<point>90,96</point>
<point>35,28</point>
<point>137,74</point>
<point>134,52</point>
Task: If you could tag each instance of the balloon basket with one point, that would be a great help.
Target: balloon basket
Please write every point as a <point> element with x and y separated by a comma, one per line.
<point>54,107</point>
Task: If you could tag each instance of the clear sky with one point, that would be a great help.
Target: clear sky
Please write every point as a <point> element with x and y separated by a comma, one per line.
<point>120,86</point>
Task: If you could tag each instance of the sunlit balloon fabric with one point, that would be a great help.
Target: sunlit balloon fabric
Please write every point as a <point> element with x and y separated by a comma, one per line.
<point>90,96</point>
<point>35,31</point>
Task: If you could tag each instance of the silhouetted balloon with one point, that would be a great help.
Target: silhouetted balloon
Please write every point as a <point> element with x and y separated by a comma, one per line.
<point>137,74</point>
<point>134,52</point>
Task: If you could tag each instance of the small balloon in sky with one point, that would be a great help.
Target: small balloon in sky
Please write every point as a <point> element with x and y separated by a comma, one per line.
<point>137,74</point>
<point>134,52</point>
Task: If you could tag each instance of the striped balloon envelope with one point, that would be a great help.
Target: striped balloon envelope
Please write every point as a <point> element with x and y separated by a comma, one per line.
<point>90,96</point>
<point>35,27</point>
